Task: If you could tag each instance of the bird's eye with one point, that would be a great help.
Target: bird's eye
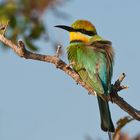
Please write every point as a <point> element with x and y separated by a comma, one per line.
<point>89,33</point>
<point>82,31</point>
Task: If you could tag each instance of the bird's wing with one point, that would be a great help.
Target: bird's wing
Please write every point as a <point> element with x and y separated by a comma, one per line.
<point>91,80</point>
<point>85,59</point>
<point>93,62</point>
<point>105,55</point>
<point>87,66</point>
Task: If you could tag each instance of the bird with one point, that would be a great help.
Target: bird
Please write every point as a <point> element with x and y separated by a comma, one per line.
<point>92,57</point>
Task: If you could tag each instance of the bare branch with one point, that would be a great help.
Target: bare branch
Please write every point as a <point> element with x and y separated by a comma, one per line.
<point>21,51</point>
<point>126,107</point>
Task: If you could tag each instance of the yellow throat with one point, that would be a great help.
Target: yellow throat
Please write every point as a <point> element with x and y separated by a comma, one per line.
<point>79,37</point>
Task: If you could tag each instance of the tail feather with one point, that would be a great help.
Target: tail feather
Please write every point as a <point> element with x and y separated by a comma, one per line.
<point>106,121</point>
<point>110,136</point>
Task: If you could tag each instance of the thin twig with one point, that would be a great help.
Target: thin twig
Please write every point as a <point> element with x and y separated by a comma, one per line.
<point>21,51</point>
<point>58,51</point>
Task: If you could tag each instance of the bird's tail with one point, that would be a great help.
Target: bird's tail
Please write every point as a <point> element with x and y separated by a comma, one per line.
<point>106,121</point>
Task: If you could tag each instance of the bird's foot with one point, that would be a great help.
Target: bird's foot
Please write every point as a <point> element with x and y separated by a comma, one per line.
<point>70,64</point>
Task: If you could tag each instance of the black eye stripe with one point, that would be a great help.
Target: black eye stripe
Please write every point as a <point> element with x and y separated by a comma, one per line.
<point>90,33</point>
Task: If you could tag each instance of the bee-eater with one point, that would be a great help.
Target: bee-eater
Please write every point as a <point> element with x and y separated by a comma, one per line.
<point>92,58</point>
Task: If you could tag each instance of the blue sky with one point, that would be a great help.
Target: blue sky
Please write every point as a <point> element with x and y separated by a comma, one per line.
<point>38,101</point>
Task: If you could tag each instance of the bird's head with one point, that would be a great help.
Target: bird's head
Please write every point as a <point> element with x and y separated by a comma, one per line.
<point>80,30</point>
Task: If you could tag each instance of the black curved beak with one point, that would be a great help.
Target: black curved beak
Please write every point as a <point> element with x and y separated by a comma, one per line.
<point>67,28</point>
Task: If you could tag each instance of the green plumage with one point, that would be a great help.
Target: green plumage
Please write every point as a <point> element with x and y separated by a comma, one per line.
<point>93,62</point>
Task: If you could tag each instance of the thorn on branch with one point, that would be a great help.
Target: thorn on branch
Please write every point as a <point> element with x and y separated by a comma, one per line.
<point>21,46</point>
<point>117,86</point>
<point>122,87</point>
<point>58,51</point>
<point>120,79</point>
